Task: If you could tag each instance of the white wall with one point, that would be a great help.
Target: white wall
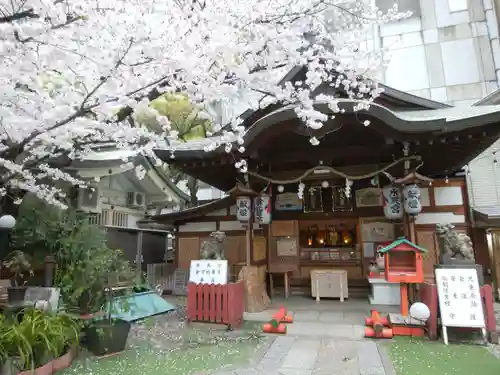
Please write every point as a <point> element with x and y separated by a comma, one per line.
<point>451,53</point>
<point>483,178</point>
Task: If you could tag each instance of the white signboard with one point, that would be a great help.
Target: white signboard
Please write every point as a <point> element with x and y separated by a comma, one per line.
<point>460,301</point>
<point>208,272</point>
<point>262,207</point>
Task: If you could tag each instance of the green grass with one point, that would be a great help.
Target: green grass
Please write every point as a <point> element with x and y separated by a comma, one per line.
<point>179,362</point>
<point>413,356</point>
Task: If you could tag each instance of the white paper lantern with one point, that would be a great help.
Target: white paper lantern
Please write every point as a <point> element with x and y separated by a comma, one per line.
<point>325,184</point>
<point>243,207</point>
<point>281,188</point>
<point>262,209</point>
<point>393,202</point>
<point>420,311</point>
<point>7,222</point>
<point>412,203</point>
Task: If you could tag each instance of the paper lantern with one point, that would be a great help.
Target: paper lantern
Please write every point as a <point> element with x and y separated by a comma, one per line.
<point>412,204</point>
<point>393,202</point>
<point>420,311</point>
<point>262,206</point>
<point>243,207</point>
<point>7,222</point>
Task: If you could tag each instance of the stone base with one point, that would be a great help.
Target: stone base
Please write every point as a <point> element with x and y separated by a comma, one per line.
<point>384,292</point>
<point>256,298</point>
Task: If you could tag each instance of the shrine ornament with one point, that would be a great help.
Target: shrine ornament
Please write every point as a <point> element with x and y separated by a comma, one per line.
<point>243,208</point>
<point>393,202</point>
<point>412,203</point>
<point>262,209</point>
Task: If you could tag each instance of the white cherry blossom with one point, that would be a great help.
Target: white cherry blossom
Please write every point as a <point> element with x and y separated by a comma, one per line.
<point>73,72</point>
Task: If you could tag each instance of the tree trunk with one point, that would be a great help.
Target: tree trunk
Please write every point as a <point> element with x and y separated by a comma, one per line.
<point>192,185</point>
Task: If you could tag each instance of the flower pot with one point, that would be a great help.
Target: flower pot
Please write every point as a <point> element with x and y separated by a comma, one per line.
<point>46,369</point>
<point>16,294</point>
<point>107,337</point>
<point>64,361</point>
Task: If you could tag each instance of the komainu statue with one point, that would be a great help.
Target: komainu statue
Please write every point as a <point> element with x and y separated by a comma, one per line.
<point>454,246</point>
<point>213,249</point>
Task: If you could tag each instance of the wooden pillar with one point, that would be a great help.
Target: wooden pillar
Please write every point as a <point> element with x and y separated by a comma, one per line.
<point>249,237</point>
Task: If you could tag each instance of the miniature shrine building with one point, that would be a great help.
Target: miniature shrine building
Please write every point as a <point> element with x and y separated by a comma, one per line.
<point>334,226</point>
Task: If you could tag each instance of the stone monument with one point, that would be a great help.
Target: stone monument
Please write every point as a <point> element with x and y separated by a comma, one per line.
<point>213,249</point>
<point>456,250</point>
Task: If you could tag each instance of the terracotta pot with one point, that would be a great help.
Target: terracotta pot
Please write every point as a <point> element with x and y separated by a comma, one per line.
<point>46,369</point>
<point>64,361</point>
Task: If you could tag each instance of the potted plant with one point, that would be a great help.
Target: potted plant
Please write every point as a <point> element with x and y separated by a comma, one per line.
<point>19,265</point>
<point>107,334</point>
<point>39,343</point>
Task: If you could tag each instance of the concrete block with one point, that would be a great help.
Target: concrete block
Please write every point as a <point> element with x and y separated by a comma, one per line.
<point>464,92</point>
<point>476,10</point>
<point>446,18</point>
<point>495,49</point>
<point>492,22</point>
<point>337,357</point>
<point>411,39</point>
<point>428,12</point>
<point>302,355</point>
<point>402,27</point>
<point>487,4</point>
<point>479,28</point>
<point>434,65</point>
<point>369,359</point>
<point>487,66</point>
<point>439,94</point>
<point>459,62</point>
<point>430,36</point>
<point>301,316</point>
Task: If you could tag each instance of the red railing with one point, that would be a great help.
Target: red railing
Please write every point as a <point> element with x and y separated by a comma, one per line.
<point>223,304</point>
<point>429,296</point>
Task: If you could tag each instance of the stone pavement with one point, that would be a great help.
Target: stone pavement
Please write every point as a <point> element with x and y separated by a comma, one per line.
<point>324,339</point>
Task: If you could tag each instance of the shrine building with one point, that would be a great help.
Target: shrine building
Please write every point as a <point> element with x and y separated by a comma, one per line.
<point>331,205</point>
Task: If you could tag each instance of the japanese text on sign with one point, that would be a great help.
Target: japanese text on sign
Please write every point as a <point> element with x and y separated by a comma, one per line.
<point>208,272</point>
<point>459,298</point>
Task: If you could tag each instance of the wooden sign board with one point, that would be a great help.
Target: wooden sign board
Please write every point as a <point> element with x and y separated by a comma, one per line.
<point>208,272</point>
<point>460,300</point>
<point>286,247</point>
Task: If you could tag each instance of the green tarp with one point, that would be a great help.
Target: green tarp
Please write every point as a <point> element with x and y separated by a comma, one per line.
<point>138,306</point>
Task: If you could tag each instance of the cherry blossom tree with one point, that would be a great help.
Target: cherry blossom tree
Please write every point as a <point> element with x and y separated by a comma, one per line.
<point>74,72</point>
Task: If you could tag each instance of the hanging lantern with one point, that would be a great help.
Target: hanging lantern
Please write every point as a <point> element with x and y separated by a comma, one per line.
<point>412,203</point>
<point>243,206</point>
<point>262,209</point>
<point>393,203</point>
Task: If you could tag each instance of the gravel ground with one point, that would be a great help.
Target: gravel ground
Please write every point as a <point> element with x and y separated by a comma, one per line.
<point>170,331</point>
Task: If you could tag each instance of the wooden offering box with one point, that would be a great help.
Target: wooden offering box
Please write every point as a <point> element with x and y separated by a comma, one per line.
<point>403,262</point>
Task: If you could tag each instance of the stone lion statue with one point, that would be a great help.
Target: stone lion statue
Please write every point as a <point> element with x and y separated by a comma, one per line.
<point>454,246</point>
<point>213,249</point>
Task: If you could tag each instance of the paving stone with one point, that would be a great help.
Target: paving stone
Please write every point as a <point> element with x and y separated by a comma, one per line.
<point>302,355</point>
<point>247,371</point>
<point>306,316</point>
<point>339,357</point>
<point>223,372</point>
<point>269,364</point>
<point>288,371</point>
<point>369,359</point>
<point>318,329</point>
<point>354,317</point>
<point>386,360</point>
<point>331,316</point>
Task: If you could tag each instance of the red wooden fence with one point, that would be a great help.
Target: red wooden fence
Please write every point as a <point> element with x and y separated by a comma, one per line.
<point>223,304</point>
<point>429,296</point>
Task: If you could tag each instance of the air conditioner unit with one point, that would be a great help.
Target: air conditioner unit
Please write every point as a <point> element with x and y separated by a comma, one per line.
<point>88,200</point>
<point>136,200</point>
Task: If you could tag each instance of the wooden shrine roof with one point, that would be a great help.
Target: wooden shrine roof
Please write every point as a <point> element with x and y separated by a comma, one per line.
<point>276,141</point>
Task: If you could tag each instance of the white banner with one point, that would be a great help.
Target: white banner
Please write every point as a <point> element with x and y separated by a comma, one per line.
<point>208,272</point>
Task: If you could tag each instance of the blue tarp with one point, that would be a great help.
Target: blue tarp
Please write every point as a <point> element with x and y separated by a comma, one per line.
<point>138,306</point>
